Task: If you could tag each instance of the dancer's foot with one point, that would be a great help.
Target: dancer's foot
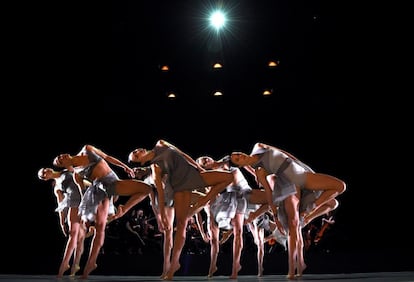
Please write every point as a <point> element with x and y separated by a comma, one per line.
<point>74,270</point>
<point>171,272</point>
<point>119,213</point>
<point>211,271</point>
<point>88,269</point>
<point>195,208</point>
<point>290,276</point>
<point>301,269</point>
<point>304,216</point>
<point>91,231</point>
<point>235,272</point>
<point>165,270</point>
<point>226,235</point>
<point>62,270</point>
<point>260,272</point>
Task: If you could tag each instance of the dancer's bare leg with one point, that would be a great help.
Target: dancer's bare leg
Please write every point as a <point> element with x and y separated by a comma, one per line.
<point>255,233</point>
<point>135,189</point>
<point>79,249</point>
<point>182,200</point>
<point>237,223</point>
<point>214,246</point>
<point>168,241</point>
<point>71,243</point>
<point>301,265</point>
<point>218,181</point>
<point>98,238</point>
<point>260,251</point>
<point>331,186</point>
<point>324,209</point>
<point>292,212</point>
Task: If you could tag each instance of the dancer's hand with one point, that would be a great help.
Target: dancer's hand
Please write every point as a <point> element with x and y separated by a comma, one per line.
<point>159,223</point>
<point>206,238</point>
<point>129,171</point>
<point>250,218</point>
<point>65,229</point>
<point>164,221</point>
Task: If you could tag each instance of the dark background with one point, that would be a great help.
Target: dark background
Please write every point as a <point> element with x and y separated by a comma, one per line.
<point>89,74</point>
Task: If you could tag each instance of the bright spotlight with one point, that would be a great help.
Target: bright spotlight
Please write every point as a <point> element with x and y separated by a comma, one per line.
<point>217,20</point>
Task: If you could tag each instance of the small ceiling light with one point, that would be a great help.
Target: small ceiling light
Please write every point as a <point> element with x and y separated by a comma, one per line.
<point>165,68</point>
<point>217,66</point>
<point>171,95</point>
<point>218,93</point>
<point>267,92</point>
<point>273,64</point>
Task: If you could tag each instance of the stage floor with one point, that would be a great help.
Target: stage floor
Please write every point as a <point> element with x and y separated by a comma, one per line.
<point>375,276</point>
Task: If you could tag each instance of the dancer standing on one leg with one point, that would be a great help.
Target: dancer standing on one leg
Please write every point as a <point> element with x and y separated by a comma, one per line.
<point>184,176</point>
<point>168,230</point>
<point>290,174</point>
<point>93,164</point>
<point>227,212</point>
<point>68,197</point>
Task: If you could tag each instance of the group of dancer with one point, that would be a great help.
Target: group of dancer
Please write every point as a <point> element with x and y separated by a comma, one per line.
<point>180,187</point>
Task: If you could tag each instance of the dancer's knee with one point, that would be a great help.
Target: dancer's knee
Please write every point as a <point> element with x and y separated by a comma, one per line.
<point>333,204</point>
<point>341,187</point>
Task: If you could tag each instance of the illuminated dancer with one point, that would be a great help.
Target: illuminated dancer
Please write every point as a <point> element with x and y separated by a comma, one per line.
<point>266,159</point>
<point>93,164</point>
<point>68,197</point>
<point>293,175</point>
<point>257,227</point>
<point>168,230</point>
<point>184,176</point>
<point>227,212</point>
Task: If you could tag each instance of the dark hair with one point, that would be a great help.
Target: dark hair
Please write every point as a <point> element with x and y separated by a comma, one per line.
<point>227,159</point>
<point>142,172</point>
<point>232,164</point>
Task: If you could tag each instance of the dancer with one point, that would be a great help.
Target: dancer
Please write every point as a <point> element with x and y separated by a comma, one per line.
<point>258,221</point>
<point>184,175</point>
<point>278,171</point>
<point>227,212</point>
<point>168,230</point>
<point>68,197</point>
<point>266,159</point>
<point>257,227</point>
<point>93,164</point>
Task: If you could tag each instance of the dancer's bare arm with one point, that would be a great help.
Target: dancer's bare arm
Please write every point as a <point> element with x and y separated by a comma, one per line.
<point>189,159</point>
<point>111,160</point>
